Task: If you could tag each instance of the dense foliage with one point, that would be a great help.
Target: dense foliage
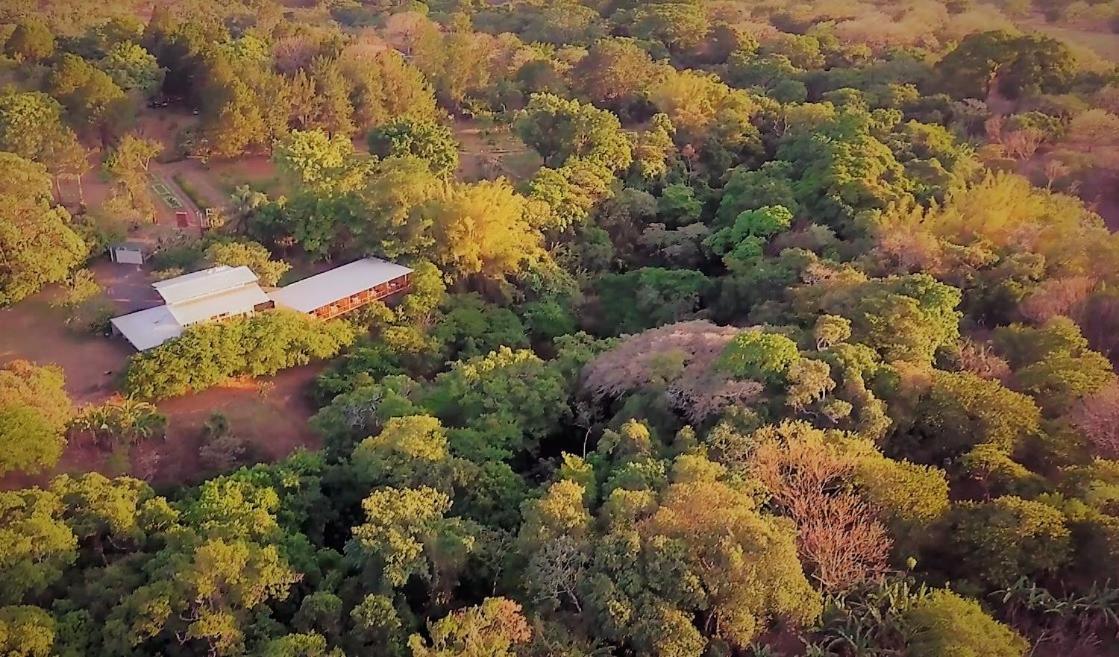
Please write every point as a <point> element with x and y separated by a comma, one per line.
<point>735,328</point>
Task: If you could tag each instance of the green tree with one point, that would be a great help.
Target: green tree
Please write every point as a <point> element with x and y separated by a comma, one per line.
<point>761,355</point>
<point>400,524</point>
<point>614,73</point>
<point>562,129</point>
<point>207,354</point>
<point>843,169</point>
<point>471,327</point>
<point>481,229</point>
<point>511,386</point>
<point>29,443</point>
<point>492,629</point>
<point>30,122</point>
<point>430,141</point>
<point>31,41</point>
<point>299,645</point>
<point>37,544</point>
<point>250,254</point>
<point>26,632</point>
<point>996,542</point>
<point>38,246</point>
<point>648,297</point>
<point>1023,65</point>
<point>322,163</point>
<point>128,166</point>
<point>132,68</point>
<point>90,96</point>
<point>961,410</point>
<point>944,623</point>
<point>410,451</point>
<point>682,26</point>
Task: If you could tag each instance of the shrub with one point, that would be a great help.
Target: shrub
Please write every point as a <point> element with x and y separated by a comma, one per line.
<point>259,345</point>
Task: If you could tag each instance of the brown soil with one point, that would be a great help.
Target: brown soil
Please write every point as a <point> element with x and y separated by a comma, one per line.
<point>271,415</point>
<point>487,153</point>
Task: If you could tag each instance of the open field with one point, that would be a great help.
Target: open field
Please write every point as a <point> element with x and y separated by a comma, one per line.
<point>271,415</point>
<point>487,152</point>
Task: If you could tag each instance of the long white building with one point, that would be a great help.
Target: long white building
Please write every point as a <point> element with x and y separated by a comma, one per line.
<point>221,292</point>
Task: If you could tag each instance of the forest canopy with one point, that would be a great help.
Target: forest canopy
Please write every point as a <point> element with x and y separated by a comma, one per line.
<point>733,328</point>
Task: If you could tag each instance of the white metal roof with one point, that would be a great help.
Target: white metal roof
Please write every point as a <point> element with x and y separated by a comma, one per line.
<point>148,328</point>
<point>323,289</point>
<point>206,282</point>
<point>232,302</point>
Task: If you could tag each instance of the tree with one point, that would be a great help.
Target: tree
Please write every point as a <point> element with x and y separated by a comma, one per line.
<point>250,254</point>
<point>128,165</point>
<point>1020,65</point>
<point>31,41</point>
<point>614,73</point>
<point>299,645</point>
<point>410,451</point>
<point>37,244</point>
<point>41,388</point>
<point>759,355</point>
<point>399,523</point>
<point>1053,363</point>
<point>223,581</point>
<point>38,545</point>
<point>471,327</point>
<point>323,164</point>
<point>659,568</point>
<point>1097,416</point>
<point>1093,129</point>
<point>843,169</point>
<point>944,623</point>
<point>29,443</point>
<point>90,96</point>
<point>30,122</point>
<point>26,631</point>
<point>111,514</point>
<point>961,410</point>
<point>493,629</point>
<point>996,542</point>
<point>562,129</point>
<point>207,354</point>
<point>385,86</point>
<point>481,229</point>
<point>132,68</point>
<point>837,531</point>
<point>506,386</point>
<point>678,360</point>
<point>648,297</point>
<point>901,317</point>
<point>430,141</point>
<point>682,26</point>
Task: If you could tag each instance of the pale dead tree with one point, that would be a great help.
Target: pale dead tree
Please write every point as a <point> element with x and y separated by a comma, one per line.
<point>979,359</point>
<point>993,127</point>
<point>1022,144</point>
<point>1058,296</point>
<point>843,541</point>
<point>838,535</point>
<point>1097,417</point>
<point>1055,170</point>
<point>679,359</point>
